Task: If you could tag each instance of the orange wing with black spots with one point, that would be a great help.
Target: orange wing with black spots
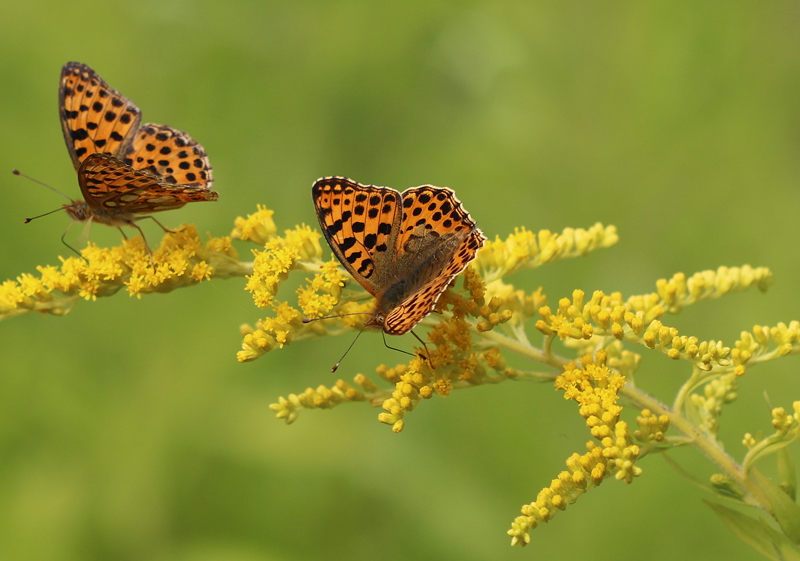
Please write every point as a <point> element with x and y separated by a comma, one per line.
<point>110,185</point>
<point>439,237</point>
<point>171,154</point>
<point>95,117</point>
<point>124,168</point>
<point>403,249</point>
<point>361,223</point>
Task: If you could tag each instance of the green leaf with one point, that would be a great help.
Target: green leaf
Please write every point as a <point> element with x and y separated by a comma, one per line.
<point>787,551</point>
<point>786,473</point>
<point>748,529</point>
<point>691,478</point>
<point>784,509</point>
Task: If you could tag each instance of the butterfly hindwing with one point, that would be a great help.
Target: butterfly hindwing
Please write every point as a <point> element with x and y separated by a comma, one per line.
<point>95,118</point>
<point>110,184</point>
<point>456,255</point>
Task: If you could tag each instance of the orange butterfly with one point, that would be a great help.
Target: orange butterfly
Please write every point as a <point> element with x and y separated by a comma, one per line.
<point>125,170</point>
<point>404,249</point>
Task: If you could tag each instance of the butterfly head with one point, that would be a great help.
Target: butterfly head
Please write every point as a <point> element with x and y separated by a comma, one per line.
<point>78,210</point>
<point>375,321</point>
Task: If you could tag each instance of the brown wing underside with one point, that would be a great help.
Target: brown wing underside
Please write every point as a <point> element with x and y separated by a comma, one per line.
<point>413,309</point>
<point>113,186</point>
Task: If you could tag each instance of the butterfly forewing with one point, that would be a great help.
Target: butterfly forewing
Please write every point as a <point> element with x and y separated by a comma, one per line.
<point>361,223</point>
<point>431,213</point>
<point>95,117</point>
<point>172,154</point>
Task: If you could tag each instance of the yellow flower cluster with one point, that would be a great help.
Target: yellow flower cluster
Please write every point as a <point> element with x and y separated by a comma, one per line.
<point>570,320</point>
<point>754,347</point>
<point>258,227</point>
<point>298,249</point>
<point>521,305</point>
<point>318,297</point>
<point>787,430</point>
<point>320,398</point>
<point>678,292</point>
<point>651,428</point>
<point>595,388</point>
<point>280,256</point>
<point>637,320</point>
<point>181,260</point>
<point>409,390</point>
<point>270,268</point>
<point>270,332</point>
<point>716,393</point>
<point>524,249</point>
<point>703,354</point>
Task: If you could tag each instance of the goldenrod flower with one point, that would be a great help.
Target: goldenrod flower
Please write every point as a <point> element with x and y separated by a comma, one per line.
<point>479,327</point>
<point>524,249</point>
<point>596,389</point>
<point>651,427</point>
<point>181,260</point>
<point>257,227</point>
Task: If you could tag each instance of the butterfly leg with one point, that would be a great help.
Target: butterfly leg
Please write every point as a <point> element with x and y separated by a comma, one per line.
<point>121,231</point>
<point>132,224</point>
<point>153,218</point>
<point>427,351</point>
<point>64,235</point>
<point>385,344</point>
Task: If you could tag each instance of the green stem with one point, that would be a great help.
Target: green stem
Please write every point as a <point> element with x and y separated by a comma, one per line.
<point>524,350</point>
<point>727,464</point>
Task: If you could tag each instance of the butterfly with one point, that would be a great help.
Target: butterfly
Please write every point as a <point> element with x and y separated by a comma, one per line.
<point>404,249</point>
<point>125,170</point>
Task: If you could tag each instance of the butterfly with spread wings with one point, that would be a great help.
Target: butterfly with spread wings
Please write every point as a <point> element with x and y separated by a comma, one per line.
<point>403,248</point>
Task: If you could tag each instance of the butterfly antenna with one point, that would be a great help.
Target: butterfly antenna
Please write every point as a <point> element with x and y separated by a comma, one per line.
<point>309,320</point>
<point>336,366</point>
<point>45,214</point>
<point>17,172</point>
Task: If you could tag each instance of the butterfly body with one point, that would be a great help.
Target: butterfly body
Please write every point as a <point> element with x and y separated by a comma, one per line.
<point>404,249</point>
<point>80,211</point>
<point>125,171</point>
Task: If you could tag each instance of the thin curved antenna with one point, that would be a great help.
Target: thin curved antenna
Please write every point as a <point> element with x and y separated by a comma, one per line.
<point>45,214</point>
<point>309,320</point>
<point>17,172</point>
<point>336,366</point>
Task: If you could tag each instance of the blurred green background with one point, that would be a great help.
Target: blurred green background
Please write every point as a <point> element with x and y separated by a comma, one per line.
<point>129,431</point>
